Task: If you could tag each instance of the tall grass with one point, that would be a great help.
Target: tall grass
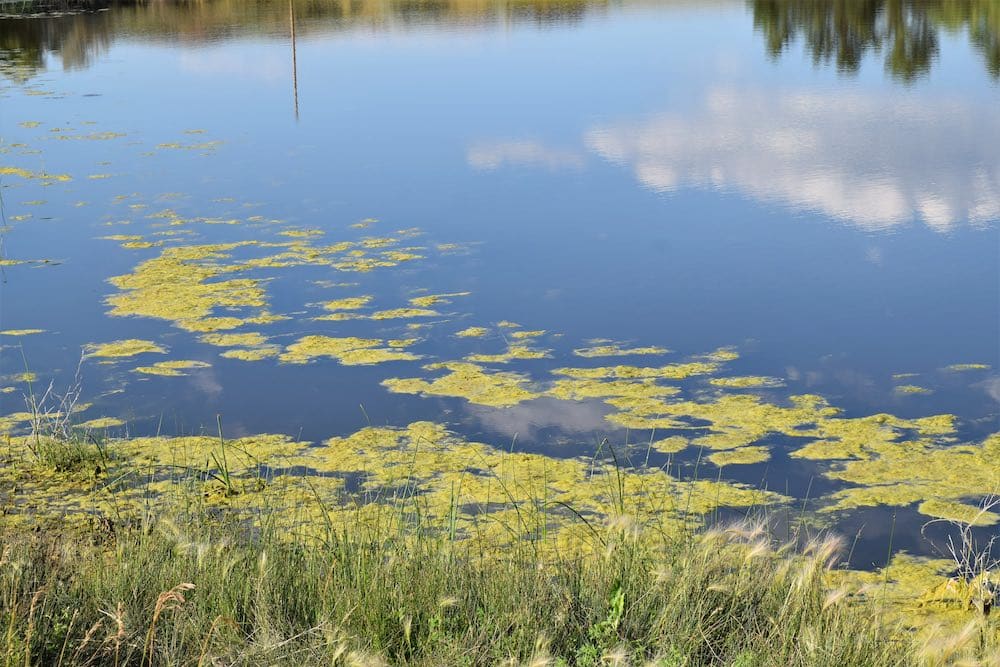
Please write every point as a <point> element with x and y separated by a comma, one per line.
<point>205,592</point>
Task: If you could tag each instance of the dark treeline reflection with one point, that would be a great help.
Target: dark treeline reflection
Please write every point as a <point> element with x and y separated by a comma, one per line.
<point>77,37</point>
<point>907,32</point>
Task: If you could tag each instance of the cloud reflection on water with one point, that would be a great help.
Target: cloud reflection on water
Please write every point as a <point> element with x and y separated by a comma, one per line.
<point>875,161</point>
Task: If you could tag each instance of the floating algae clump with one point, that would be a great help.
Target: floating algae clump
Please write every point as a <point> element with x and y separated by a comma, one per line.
<point>171,368</point>
<point>24,173</point>
<point>100,422</point>
<point>613,350</point>
<point>234,339</point>
<point>671,445</point>
<point>252,354</point>
<point>434,299</point>
<point>746,382</point>
<point>122,237</point>
<point>912,389</point>
<point>348,351</point>
<point>21,332</point>
<point>418,472</point>
<point>472,332</point>
<point>668,372</point>
<point>623,394</point>
<point>972,515</point>
<point>921,595</point>
<point>496,494</point>
<point>349,303</point>
<point>403,313</point>
<point>123,348</point>
<point>742,456</point>
<point>513,352</point>
<point>9,422</point>
<point>939,477</point>
<point>178,286</point>
<point>967,367</point>
<point>468,381</point>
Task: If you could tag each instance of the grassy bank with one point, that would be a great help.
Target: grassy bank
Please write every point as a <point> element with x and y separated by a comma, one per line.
<point>174,551</point>
<point>195,582</point>
<point>236,594</point>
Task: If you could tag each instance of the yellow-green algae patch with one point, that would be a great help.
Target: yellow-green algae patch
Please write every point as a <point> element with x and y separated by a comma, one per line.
<point>252,354</point>
<point>349,351</point>
<point>403,313</point>
<point>671,445</point>
<point>249,339</point>
<point>472,332</point>
<point>614,350</point>
<point>36,175</point>
<point>723,354</point>
<point>100,423</point>
<point>173,368</point>
<point>972,515</point>
<point>903,472</point>
<point>668,372</point>
<point>434,299</point>
<point>742,456</point>
<point>339,317</point>
<point>21,332</point>
<point>925,597</point>
<point>187,285</point>
<point>519,352</point>
<point>967,367</point>
<point>523,335</point>
<point>121,237</point>
<point>349,303</point>
<point>469,381</point>
<point>627,395</point>
<point>10,422</point>
<point>488,492</point>
<point>178,286</point>
<point>123,348</point>
<point>421,471</point>
<point>911,389</point>
<point>747,382</point>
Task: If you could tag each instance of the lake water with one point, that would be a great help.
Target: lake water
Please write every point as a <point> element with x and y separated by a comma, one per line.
<point>813,193</point>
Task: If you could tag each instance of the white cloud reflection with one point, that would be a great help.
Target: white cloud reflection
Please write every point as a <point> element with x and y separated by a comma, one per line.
<point>526,420</point>
<point>493,155</point>
<point>873,161</point>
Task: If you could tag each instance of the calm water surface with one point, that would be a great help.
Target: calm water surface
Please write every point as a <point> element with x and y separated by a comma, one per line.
<point>677,174</point>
